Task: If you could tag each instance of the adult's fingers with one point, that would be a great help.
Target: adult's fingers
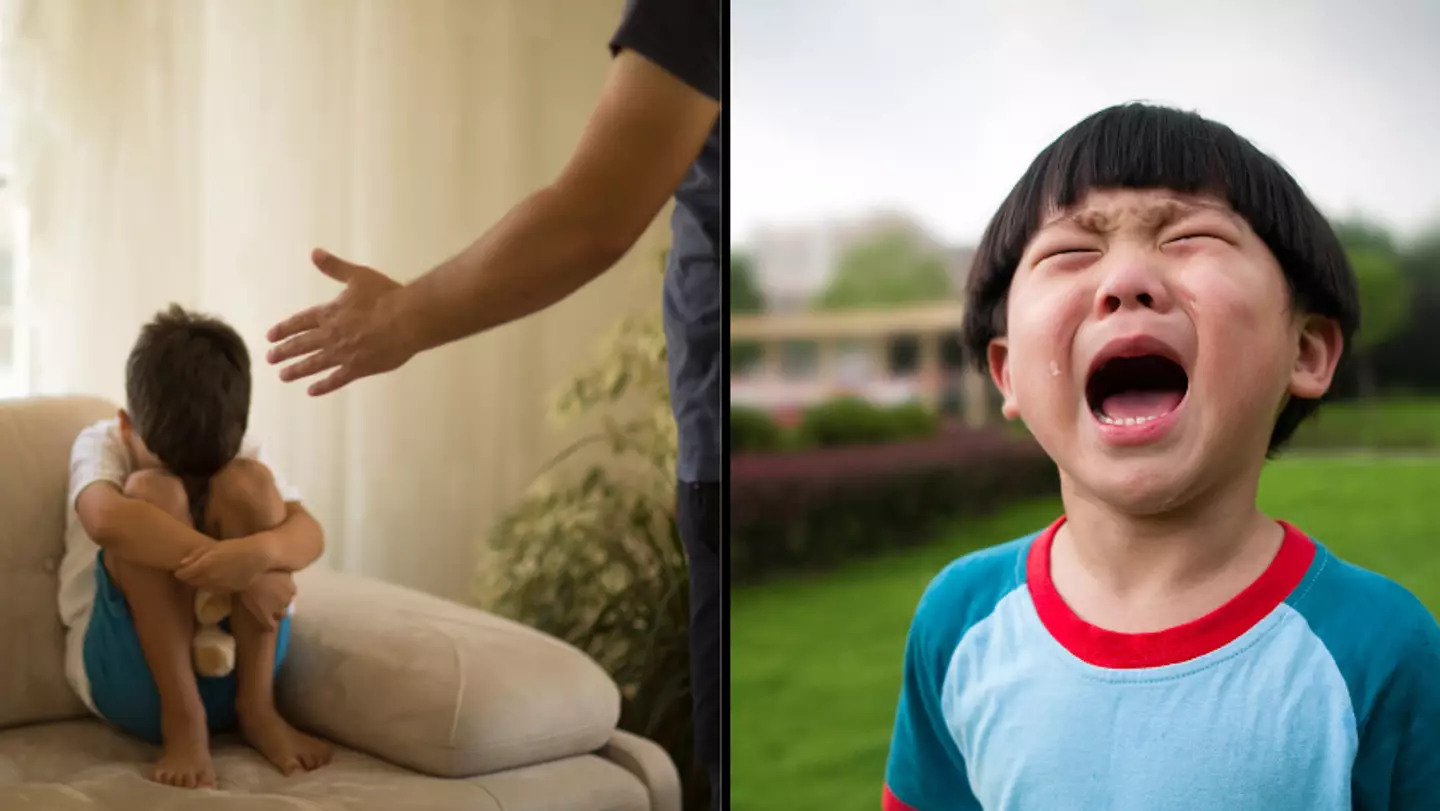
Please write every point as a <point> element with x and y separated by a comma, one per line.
<point>306,319</point>
<point>332,265</point>
<point>316,363</point>
<point>336,380</point>
<point>302,344</point>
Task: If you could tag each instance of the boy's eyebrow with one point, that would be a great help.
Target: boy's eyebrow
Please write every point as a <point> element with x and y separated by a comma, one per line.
<point>1154,214</point>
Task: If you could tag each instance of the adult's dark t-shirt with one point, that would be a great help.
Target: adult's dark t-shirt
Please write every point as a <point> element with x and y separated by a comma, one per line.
<point>683,38</point>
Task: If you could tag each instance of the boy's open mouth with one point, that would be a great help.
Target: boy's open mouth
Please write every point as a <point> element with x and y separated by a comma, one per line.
<point>1135,390</point>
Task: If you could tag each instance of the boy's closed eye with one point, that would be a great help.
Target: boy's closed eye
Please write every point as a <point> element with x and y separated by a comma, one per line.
<point>1189,239</point>
<point>1065,256</point>
<point>1196,237</point>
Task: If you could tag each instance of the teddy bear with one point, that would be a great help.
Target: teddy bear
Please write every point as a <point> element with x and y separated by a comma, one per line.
<point>213,648</point>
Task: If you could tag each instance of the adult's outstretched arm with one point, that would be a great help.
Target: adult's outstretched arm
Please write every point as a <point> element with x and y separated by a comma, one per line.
<point>644,133</point>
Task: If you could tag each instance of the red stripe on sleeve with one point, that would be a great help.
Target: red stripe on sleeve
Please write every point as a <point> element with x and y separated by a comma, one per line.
<point>889,802</point>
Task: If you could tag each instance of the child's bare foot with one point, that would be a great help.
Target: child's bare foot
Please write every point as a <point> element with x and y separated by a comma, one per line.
<point>291,750</point>
<point>185,759</point>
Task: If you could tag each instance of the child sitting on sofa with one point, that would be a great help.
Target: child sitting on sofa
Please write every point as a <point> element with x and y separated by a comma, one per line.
<point>152,494</point>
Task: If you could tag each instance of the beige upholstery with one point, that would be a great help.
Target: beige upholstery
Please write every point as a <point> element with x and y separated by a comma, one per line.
<point>35,439</point>
<point>451,707</point>
<point>463,692</point>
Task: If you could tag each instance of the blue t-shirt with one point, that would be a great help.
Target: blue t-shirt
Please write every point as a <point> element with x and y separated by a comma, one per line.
<point>1315,689</point>
<point>683,38</point>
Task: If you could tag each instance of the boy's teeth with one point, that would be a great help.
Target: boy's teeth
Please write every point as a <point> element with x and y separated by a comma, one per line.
<point>1109,420</point>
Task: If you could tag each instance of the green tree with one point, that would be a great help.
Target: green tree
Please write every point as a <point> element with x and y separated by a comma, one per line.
<point>892,270</point>
<point>745,299</point>
<point>1384,296</point>
<point>1410,357</point>
<point>1384,293</point>
<point>1357,233</point>
<point>745,295</point>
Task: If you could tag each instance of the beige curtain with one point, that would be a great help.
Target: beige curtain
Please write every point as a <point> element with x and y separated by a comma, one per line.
<point>195,150</point>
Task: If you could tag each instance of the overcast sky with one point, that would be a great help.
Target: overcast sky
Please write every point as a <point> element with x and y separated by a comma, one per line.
<point>935,107</point>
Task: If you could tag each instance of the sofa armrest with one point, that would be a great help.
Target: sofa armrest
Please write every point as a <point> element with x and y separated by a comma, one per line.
<point>435,686</point>
<point>650,764</point>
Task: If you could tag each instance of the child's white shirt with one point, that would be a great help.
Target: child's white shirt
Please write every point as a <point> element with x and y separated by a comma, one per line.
<point>100,455</point>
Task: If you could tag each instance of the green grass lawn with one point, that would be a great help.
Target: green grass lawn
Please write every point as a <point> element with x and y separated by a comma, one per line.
<point>815,662</point>
<point>1396,423</point>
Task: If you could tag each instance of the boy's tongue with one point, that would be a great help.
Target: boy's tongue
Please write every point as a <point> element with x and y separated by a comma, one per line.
<point>1136,403</point>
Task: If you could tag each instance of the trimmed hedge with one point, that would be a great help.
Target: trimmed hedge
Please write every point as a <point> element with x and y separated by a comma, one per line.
<point>813,509</point>
<point>851,421</point>
<point>836,423</point>
<point>752,430</point>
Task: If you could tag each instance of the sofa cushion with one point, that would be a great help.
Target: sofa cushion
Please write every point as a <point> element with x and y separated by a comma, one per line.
<point>86,765</point>
<point>437,686</point>
<point>35,440</point>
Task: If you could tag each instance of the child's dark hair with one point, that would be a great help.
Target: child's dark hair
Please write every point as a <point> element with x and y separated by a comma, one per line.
<point>1140,146</point>
<point>187,384</point>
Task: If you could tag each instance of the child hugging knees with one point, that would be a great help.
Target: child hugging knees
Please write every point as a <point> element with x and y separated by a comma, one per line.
<point>168,500</point>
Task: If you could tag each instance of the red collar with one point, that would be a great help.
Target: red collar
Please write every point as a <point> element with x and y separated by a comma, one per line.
<point>1182,643</point>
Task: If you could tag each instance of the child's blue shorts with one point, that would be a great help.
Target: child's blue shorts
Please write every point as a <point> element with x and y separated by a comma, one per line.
<point>121,687</point>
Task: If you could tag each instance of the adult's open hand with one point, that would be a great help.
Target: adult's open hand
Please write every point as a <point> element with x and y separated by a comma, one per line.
<point>358,334</point>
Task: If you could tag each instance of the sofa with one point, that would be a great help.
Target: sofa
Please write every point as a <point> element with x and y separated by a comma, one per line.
<point>431,705</point>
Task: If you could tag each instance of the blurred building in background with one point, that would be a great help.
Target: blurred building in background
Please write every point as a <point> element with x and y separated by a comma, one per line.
<point>886,357</point>
<point>802,352</point>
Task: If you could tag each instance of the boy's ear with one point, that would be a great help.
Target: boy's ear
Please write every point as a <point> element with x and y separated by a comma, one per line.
<point>1321,344</point>
<point>998,354</point>
<point>127,426</point>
